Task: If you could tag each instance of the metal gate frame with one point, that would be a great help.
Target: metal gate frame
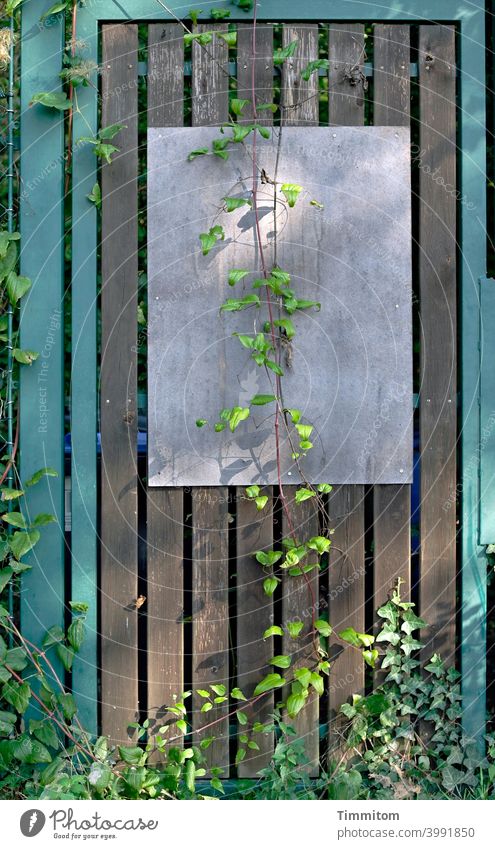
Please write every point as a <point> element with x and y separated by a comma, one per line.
<point>42,259</point>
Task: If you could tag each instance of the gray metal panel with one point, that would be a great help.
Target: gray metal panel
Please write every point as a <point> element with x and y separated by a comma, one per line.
<point>351,365</point>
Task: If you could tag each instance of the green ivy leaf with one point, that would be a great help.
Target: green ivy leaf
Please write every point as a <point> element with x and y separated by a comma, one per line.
<point>295,415</point>
<point>22,542</point>
<point>54,635</point>
<point>291,192</point>
<point>16,287</point>
<point>47,471</point>
<point>15,519</point>
<point>323,628</point>
<point>241,717</point>
<point>95,195</point>
<point>273,631</point>
<point>54,10</point>
<point>282,53</point>
<point>132,755</point>
<point>25,357</point>
<point>295,628</point>
<point>260,400</point>
<point>52,100</point>
<point>238,694</point>
<point>237,274</point>
<point>10,494</point>
<point>238,415</point>
<point>269,682</point>
<point>286,325</point>
<point>17,695</point>
<point>282,661</point>
<point>261,501</point>
<point>270,585</point>
<point>231,204</point>
<point>237,105</point>
<point>303,494</point>
<point>319,544</point>
<point>295,704</point>
<point>219,15</point>
<point>313,66</point>
<point>76,633</point>
<point>208,240</point>
<point>237,304</point>
<point>268,558</point>
<point>201,422</point>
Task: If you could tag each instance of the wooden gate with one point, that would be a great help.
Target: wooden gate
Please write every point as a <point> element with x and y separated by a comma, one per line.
<point>190,552</point>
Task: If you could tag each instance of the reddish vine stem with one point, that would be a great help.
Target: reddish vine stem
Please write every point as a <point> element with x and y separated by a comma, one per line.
<point>278,386</point>
<point>265,273</point>
<point>71,95</point>
<point>10,461</point>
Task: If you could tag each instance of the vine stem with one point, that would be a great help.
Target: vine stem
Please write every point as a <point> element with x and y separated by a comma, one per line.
<point>278,385</point>
<point>71,95</point>
<point>264,270</point>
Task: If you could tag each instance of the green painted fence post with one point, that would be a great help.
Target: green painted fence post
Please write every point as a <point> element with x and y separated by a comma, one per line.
<point>42,251</point>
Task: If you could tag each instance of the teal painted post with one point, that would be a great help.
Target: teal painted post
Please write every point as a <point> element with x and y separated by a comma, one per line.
<point>42,251</point>
<point>487,412</point>
<point>84,530</point>
<point>473,267</point>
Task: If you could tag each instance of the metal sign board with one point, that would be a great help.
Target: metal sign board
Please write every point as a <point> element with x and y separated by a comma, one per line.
<point>346,244</point>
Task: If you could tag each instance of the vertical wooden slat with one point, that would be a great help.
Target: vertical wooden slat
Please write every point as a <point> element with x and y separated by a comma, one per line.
<point>119,563</point>
<point>391,503</point>
<point>165,75</point>
<point>210,80</point>
<point>210,661</point>
<point>254,616</point>
<point>300,107</point>
<point>346,503</point>
<point>299,99</point>
<point>345,86</point>
<point>391,79</point>
<point>84,393</point>
<point>254,529</point>
<point>300,601</point>
<point>165,515</point>
<point>437,276</point>
<point>263,71</point>
<point>346,592</point>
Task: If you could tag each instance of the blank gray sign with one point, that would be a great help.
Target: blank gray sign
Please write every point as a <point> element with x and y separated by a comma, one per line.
<point>346,244</point>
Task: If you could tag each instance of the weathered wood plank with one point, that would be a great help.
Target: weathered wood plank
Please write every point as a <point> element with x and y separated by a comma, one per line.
<point>263,70</point>
<point>300,601</point>
<point>165,515</point>
<point>346,595</point>
<point>437,279</point>
<point>210,79</point>
<point>119,562</point>
<point>210,607</point>
<point>392,504</point>
<point>254,615</point>
<point>346,503</point>
<point>299,99</point>
<point>345,76</point>
<point>391,80</point>
<point>165,75</point>
<point>165,601</point>
<point>210,611</point>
